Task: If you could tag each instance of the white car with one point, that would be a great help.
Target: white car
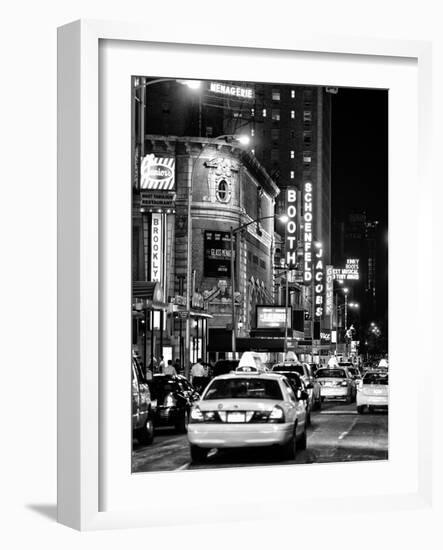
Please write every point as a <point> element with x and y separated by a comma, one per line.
<point>248,408</point>
<point>373,391</point>
<point>336,383</point>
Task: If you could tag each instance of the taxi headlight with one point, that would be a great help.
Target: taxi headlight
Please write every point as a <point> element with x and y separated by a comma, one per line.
<point>277,415</point>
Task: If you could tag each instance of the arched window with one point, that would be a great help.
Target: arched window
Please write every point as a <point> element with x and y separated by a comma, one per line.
<point>222,191</point>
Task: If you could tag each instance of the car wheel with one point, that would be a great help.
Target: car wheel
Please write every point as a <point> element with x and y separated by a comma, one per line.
<point>289,449</point>
<point>360,409</point>
<point>145,435</point>
<point>182,424</point>
<point>198,454</point>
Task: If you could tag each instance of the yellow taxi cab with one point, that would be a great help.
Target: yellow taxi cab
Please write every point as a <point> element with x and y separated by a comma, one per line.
<point>250,407</point>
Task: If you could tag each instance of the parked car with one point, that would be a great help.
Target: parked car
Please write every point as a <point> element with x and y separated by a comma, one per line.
<point>303,369</point>
<point>142,416</point>
<point>172,397</point>
<point>248,409</point>
<point>373,391</point>
<point>336,383</point>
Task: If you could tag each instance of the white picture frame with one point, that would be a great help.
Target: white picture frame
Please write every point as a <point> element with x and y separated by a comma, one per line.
<point>86,471</point>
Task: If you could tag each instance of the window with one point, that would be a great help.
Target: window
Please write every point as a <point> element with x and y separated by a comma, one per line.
<point>275,134</point>
<point>244,388</point>
<point>292,114</point>
<point>307,156</point>
<point>255,259</point>
<point>307,138</point>
<point>307,116</point>
<point>263,113</point>
<point>292,134</point>
<point>252,112</point>
<point>275,94</point>
<point>222,191</point>
<point>292,174</point>
<point>292,94</point>
<point>275,114</point>
<point>253,151</point>
<point>292,154</point>
<point>252,132</point>
<point>275,155</point>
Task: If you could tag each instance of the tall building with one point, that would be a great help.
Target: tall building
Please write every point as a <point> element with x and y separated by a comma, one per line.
<point>359,238</point>
<point>290,133</point>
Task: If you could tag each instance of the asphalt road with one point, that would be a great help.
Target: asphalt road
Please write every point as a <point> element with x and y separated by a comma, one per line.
<point>337,434</point>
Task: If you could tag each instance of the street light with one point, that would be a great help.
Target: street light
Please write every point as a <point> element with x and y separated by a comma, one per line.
<point>234,231</point>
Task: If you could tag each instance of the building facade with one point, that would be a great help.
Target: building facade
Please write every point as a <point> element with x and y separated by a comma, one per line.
<point>215,188</point>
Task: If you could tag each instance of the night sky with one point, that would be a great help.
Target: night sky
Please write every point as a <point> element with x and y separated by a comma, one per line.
<point>360,170</point>
<point>360,153</point>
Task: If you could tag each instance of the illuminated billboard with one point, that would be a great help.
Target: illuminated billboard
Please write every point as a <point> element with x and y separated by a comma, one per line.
<point>329,305</point>
<point>319,283</point>
<point>307,220</point>
<point>217,254</point>
<point>240,92</point>
<point>291,227</point>
<point>274,317</point>
<point>157,173</point>
<point>350,272</point>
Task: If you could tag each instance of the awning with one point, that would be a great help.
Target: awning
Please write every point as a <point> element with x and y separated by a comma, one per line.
<point>220,339</point>
<point>193,313</point>
<point>151,291</point>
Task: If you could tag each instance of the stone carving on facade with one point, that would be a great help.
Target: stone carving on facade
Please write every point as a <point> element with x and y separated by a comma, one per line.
<point>221,178</point>
<point>221,293</point>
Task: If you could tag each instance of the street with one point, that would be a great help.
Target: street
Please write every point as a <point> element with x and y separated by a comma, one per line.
<point>337,434</point>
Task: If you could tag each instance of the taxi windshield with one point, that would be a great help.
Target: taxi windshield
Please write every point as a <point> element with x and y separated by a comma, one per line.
<point>244,388</point>
<point>285,367</point>
<point>376,378</point>
<point>330,373</point>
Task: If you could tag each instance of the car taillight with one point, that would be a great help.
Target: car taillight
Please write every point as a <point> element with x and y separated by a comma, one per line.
<point>204,416</point>
<point>196,415</point>
<point>344,383</point>
<point>259,416</point>
<point>169,400</point>
<point>277,415</point>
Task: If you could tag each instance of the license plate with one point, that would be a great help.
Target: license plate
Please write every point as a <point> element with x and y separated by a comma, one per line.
<point>377,392</point>
<point>329,384</point>
<point>236,417</point>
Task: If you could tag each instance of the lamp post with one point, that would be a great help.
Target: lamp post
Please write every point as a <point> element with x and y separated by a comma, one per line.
<point>285,270</point>
<point>233,232</point>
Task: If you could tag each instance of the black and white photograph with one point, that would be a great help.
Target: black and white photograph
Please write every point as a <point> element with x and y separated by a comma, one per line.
<point>259,274</point>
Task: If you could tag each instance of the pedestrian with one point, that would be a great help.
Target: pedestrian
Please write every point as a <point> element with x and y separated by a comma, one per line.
<point>169,369</point>
<point>162,365</point>
<point>198,375</point>
<point>332,362</point>
<point>177,365</point>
